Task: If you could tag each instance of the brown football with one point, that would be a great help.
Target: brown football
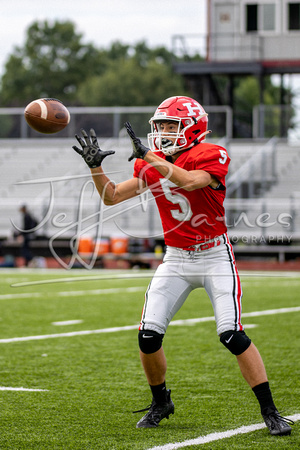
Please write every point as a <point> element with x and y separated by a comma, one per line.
<point>47,115</point>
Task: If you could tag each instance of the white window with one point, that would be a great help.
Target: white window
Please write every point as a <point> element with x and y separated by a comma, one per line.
<point>260,17</point>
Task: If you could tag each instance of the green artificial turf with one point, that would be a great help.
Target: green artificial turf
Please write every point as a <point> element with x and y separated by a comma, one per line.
<point>92,382</point>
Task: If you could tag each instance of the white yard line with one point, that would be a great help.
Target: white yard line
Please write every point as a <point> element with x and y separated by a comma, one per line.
<point>112,275</point>
<point>108,276</point>
<point>217,436</point>
<point>271,282</point>
<point>70,334</point>
<point>4,388</point>
<point>251,314</point>
<point>22,295</point>
<point>66,322</point>
<point>270,312</point>
<point>135,327</point>
<point>72,293</point>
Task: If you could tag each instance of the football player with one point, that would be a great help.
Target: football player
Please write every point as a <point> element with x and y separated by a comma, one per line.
<point>187,178</point>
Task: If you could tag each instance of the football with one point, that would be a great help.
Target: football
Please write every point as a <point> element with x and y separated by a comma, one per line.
<point>47,115</point>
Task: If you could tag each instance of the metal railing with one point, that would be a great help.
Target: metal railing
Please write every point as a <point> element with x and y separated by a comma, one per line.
<point>261,167</point>
<point>106,120</point>
<point>268,120</point>
<point>218,46</point>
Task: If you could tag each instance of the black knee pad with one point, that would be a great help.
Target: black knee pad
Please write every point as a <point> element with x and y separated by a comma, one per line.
<point>236,341</point>
<point>150,341</point>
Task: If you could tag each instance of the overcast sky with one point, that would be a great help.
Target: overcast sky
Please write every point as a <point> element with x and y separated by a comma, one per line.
<point>102,22</point>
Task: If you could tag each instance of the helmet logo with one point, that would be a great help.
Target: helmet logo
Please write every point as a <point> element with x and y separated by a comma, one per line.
<point>193,108</point>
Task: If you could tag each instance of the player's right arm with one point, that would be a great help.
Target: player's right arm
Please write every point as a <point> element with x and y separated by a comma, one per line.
<point>110,192</point>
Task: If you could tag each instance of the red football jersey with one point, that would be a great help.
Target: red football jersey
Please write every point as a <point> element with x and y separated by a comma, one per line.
<point>189,217</point>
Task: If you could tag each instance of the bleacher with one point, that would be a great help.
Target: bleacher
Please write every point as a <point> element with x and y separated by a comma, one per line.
<point>48,176</point>
<point>35,171</point>
<point>272,179</point>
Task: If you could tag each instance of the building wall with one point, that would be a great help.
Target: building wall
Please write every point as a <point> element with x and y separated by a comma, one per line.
<point>262,30</point>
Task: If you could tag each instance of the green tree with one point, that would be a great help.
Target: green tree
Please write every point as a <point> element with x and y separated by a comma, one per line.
<point>247,93</point>
<point>52,63</point>
<point>128,83</point>
<point>277,120</point>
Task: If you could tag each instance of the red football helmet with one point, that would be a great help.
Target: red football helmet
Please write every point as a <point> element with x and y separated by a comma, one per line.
<point>192,125</point>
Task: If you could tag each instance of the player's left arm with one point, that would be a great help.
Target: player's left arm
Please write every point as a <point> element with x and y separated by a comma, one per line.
<point>185,179</point>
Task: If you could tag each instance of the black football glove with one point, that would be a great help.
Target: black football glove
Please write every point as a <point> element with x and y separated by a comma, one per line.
<point>139,150</point>
<point>90,151</point>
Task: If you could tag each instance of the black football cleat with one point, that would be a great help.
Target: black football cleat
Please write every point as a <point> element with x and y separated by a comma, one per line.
<point>157,412</point>
<point>278,425</point>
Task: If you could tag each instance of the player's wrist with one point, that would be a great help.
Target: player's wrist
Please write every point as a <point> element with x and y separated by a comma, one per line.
<point>146,153</point>
<point>95,170</point>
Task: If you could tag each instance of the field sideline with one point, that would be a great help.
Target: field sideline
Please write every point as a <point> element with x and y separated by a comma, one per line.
<point>70,374</point>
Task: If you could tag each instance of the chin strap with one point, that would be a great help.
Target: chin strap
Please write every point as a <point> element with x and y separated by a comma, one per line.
<point>198,139</point>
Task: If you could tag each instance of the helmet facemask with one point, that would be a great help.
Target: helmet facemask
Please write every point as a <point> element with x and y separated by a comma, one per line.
<point>162,141</point>
<point>188,134</point>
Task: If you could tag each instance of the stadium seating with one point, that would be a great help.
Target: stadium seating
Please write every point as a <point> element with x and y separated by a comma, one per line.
<point>32,167</point>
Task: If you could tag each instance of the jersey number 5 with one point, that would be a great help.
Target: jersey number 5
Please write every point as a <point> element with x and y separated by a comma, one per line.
<point>177,199</point>
<point>224,157</point>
